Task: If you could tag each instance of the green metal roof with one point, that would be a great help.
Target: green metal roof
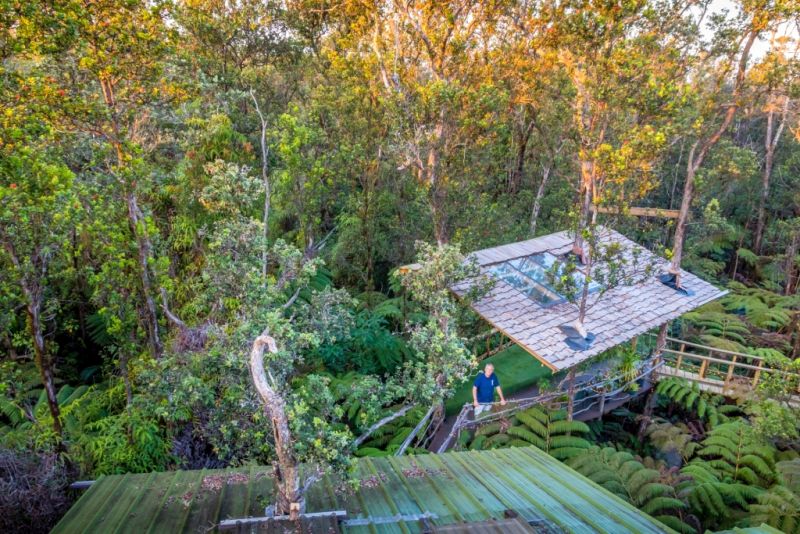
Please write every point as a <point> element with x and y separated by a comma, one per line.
<point>457,487</point>
<point>763,529</point>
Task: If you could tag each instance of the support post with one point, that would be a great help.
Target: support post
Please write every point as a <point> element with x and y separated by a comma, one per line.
<point>757,374</point>
<point>730,372</point>
<point>602,404</point>
<point>571,394</point>
<point>703,367</point>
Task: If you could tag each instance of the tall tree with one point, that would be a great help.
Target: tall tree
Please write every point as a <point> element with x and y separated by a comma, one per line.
<point>716,107</point>
<point>37,206</point>
<point>428,56</point>
<point>110,71</point>
<point>778,73</point>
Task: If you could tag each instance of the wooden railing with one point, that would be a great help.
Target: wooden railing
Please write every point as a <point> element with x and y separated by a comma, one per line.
<point>718,370</point>
<point>488,344</point>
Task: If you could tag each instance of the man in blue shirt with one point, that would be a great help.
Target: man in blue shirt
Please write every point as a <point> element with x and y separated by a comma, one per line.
<point>483,390</point>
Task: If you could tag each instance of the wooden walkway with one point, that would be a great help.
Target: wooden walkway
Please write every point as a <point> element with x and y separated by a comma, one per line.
<point>724,372</point>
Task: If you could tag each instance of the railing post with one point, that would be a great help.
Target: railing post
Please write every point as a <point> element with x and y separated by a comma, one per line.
<point>757,374</point>
<point>703,367</point>
<point>679,362</point>
<point>730,372</point>
<point>602,403</point>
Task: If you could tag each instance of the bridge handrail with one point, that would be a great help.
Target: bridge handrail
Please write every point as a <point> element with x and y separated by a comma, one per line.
<point>695,356</point>
<point>714,349</point>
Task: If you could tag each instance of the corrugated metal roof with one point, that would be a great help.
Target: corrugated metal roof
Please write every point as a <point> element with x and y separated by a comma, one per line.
<point>763,529</point>
<point>620,314</point>
<point>458,487</point>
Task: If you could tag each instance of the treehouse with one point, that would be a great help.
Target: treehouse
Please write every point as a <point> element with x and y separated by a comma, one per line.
<point>525,306</point>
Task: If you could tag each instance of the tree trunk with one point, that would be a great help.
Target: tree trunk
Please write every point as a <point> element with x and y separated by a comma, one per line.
<point>537,202</point>
<point>771,140</point>
<point>647,414</point>
<point>790,267</point>
<point>661,340</point>
<point>570,394</point>
<point>698,153</point>
<point>136,222</point>
<point>144,247</point>
<point>587,181</point>
<point>437,193</point>
<point>42,360</point>
<point>518,171</point>
<point>267,185</point>
<point>290,498</point>
<point>683,216</point>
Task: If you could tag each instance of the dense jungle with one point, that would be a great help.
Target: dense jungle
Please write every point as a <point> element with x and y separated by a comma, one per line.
<point>194,191</point>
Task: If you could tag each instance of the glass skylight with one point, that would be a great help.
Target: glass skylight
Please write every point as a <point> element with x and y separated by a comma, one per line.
<point>529,275</point>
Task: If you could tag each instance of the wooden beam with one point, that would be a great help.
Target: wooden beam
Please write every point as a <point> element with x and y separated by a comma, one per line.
<point>229,524</point>
<point>638,212</point>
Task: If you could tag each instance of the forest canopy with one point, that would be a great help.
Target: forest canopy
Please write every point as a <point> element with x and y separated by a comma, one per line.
<point>187,185</point>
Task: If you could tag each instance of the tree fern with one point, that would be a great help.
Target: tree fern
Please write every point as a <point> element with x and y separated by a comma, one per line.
<point>779,507</point>
<point>718,324</point>
<point>688,396</point>
<point>762,308</point>
<point>711,497</point>
<point>551,432</point>
<point>789,473</point>
<point>625,475</point>
<point>672,438</point>
<point>547,430</point>
<point>736,454</point>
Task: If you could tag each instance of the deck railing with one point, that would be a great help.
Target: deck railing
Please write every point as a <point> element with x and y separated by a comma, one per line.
<point>724,370</point>
<point>595,394</point>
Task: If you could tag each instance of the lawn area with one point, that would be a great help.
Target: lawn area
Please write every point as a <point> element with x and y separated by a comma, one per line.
<point>516,370</point>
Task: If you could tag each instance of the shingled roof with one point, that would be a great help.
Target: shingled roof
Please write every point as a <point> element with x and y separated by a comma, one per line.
<point>619,314</point>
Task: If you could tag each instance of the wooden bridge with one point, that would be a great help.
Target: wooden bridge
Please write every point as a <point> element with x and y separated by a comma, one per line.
<point>724,372</point>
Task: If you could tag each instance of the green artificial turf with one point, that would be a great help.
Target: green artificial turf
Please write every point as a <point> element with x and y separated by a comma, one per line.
<point>515,368</point>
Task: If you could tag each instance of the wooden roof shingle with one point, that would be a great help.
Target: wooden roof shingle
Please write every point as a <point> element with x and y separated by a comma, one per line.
<point>619,314</point>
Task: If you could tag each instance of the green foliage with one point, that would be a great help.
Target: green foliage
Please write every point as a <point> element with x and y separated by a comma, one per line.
<point>672,438</point>
<point>715,499</point>
<point>689,397</point>
<point>762,308</point>
<point>625,475</point>
<point>547,430</point>
<point>735,453</point>
<point>779,507</point>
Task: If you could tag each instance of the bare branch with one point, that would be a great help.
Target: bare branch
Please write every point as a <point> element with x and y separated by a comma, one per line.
<point>386,420</point>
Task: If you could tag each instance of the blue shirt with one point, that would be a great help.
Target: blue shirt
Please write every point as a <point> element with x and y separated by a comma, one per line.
<point>486,386</point>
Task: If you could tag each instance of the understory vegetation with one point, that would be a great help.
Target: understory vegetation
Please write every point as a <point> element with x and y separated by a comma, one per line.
<point>192,187</point>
